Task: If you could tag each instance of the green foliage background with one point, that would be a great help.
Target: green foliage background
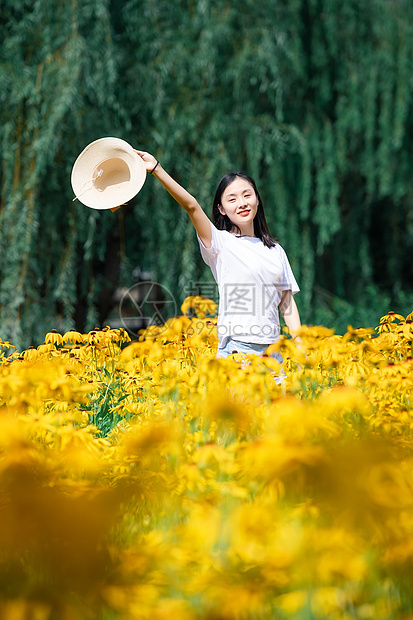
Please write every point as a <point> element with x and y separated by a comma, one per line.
<point>313,98</point>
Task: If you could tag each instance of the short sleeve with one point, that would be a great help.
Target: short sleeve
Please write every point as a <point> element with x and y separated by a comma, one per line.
<point>210,254</point>
<point>288,281</point>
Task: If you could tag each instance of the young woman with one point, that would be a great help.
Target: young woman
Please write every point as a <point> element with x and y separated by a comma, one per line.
<point>251,269</point>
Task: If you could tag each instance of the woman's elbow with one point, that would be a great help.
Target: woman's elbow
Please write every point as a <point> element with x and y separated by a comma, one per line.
<point>191,206</point>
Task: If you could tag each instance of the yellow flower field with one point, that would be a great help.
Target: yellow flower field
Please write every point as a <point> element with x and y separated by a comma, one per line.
<point>151,480</point>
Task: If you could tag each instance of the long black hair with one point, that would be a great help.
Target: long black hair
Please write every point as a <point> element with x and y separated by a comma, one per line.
<point>222,222</point>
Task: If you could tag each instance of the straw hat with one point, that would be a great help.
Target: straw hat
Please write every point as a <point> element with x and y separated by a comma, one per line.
<point>107,173</point>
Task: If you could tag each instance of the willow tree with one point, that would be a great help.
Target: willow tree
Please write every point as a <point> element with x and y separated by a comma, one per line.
<point>57,73</point>
<point>311,97</point>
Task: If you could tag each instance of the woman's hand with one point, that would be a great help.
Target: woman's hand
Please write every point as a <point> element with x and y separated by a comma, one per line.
<point>148,159</point>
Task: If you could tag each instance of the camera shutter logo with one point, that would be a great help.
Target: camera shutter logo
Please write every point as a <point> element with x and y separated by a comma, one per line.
<point>145,304</point>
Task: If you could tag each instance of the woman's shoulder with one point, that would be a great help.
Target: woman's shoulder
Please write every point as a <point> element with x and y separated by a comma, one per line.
<point>223,235</point>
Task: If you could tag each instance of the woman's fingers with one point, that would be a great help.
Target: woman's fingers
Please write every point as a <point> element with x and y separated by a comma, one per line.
<point>147,158</point>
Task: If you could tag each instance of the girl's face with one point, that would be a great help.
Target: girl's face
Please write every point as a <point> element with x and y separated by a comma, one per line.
<point>240,203</point>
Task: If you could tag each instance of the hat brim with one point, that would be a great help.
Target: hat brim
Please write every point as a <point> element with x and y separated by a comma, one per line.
<point>107,174</point>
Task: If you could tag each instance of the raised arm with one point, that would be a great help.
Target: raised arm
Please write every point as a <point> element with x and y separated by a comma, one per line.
<point>198,217</point>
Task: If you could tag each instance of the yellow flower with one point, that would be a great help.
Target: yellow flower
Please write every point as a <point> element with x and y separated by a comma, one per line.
<point>232,495</point>
<point>387,322</point>
<point>30,354</point>
<point>5,344</point>
<point>228,412</point>
<point>53,337</point>
<point>73,336</point>
<point>45,348</point>
<point>292,602</point>
<point>406,329</point>
<point>200,305</point>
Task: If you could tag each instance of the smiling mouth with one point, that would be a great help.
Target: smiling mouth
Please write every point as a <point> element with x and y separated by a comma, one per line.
<point>244,212</point>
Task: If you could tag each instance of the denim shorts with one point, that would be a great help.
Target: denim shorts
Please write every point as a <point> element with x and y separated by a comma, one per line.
<point>229,346</point>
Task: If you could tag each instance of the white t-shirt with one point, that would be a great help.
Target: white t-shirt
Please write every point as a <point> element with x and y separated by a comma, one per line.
<point>250,278</point>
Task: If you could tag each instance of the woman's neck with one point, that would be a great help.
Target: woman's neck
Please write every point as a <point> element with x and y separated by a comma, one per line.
<point>245,231</point>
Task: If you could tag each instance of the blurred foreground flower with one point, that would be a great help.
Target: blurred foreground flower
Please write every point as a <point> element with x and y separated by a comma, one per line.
<point>155,481</point>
